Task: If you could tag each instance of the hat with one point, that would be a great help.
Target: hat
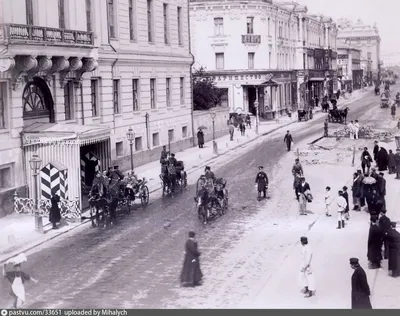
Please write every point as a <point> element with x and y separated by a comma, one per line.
<point>358,171</point>
<point>345,188</point>
<point>381,173</point>
<point>302,178</point>
<point>393,224</point>
<point>260,167</point>
<point>116,167</point>
<point>192,234</point>
<point>172,155</point>
<point>208,168</point>
<point>303,239</point>
<point>297,159</point>
<point>353,261</point>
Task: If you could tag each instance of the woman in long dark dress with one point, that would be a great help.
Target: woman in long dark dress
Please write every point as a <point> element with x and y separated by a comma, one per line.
<point>382,159</point>
<point>200,138</point>
<point>191,274</point>
<point>55,214</point>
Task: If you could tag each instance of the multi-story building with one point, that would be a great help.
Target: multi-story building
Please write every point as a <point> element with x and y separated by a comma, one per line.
<point>253,48</point>
<point>75,76</point>
<point>391,60</point>
<point>367,39</point>
<point>349,61</point>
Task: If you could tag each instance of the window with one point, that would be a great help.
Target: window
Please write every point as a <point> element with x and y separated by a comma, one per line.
<point>29,12</point>
<point>153,93</point>
<point>135,94</point>
<point>61,14</point>
<point>218,26</point>
<point>182,89</point>
<point>168,91</point>
<point>132,19</point>
<point>170,135</point>
<point>156,139</point>
<point>89,15</point>
<point>94,97</point>
<point>3,103</point>
<point>69,100</point>
<point>138,144</point>
<point>184,131</point>
<point>166,26</point>
<point>224,101</point>
<point>6,180</point>
<point>219,61</point>
<point>116,96</point>
<point>119,148</point>
<point>180,40</point>
<point>369,55</point>
<point>269,60</point>
<point>250,24</point>
<point>150,21</point>
<point>251,60</point>
<point>111,18</point>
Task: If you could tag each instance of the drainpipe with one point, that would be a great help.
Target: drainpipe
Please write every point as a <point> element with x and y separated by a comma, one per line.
<point>191,76</point>
<point>147,116</point>
<point>82,105</point>
<point>112,66</point>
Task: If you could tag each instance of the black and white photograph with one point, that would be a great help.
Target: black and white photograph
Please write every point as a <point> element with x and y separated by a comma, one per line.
<point>199,154</point>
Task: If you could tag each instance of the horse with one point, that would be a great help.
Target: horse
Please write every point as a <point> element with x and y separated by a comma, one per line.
<point>203,204</point>
<point>343,114</point>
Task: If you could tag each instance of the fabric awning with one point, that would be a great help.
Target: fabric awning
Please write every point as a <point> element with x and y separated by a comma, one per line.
<point>316,79</point>
<point>44,133</point>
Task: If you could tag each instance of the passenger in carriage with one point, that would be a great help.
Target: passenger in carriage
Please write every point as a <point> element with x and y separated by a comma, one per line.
<point>132,180</point>
<point>116,175</point>
<point>98,180</point>
<point>209,174</point>
<point>172,160</point>
<point>219,192</point>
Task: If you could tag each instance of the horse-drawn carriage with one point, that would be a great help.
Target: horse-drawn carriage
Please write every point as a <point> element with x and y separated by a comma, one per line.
<point>304,113</point>
<point>211,198</point>
<point>106,200</point>
<point>384,100</point>
<point>377,90</point>
<point>338,115</point>
<point>172,177</point>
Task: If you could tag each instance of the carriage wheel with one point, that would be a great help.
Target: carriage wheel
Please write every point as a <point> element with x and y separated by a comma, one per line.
<point>145,196</point>
<point>94,216</point>
<point>129,204</point>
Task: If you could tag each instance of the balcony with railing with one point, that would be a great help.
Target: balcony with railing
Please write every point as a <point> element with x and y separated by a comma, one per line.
<point>251,39</point>
<point>31,34</point>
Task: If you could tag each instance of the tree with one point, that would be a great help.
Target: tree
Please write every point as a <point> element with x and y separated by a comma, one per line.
<point>205,93</point>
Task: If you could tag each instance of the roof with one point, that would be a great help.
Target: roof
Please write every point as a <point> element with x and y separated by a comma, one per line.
<point>57,132</point>
<point>357,29</point>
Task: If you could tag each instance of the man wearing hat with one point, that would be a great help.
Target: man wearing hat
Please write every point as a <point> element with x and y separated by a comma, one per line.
<point>374,253</point>
<point>116,174</point>
<point>393,238</point>
<point>288,139</point>
<point>307,277</point>
<point>261,183</point>
<point>191,274</point>
<point>297,172</point>
<point>360,291</point>
<point>304,194</point>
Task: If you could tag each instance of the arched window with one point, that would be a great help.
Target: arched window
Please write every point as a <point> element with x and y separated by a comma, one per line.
<point>34,101</point>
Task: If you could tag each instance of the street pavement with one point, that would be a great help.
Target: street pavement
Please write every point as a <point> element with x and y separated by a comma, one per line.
<point>137,263</point>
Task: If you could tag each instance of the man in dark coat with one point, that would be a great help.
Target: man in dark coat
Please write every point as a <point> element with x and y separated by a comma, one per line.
<point>374,244</point>
<point>397,159</point>
<point>356,191</point>
<point>382,159</point>
<point>360,291</point>
<point>164,154</point>
<point>191,274</point>
<point>55,214</point>
<point>262,183</point>
<point>393,238</point>
<point>200,138</point>
<point>384,225</point>
<point>366,160</point>
<point>346,197</point>
<point>392,162</point>
<point>288,139</point>
<point>382,188</point>
<point>376,150</point>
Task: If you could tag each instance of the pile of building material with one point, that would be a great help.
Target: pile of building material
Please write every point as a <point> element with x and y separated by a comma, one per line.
<point>365,132</point>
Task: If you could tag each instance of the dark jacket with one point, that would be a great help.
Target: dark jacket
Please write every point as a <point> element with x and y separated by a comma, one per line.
<point>357,187</point>
<point>374,244</point>
<point>384,224</point>
<point>55,214</point>
<point>297,169</point>
<point>393,238</point>
<point>366,158</point>
<point>346,197</point>
<point>262,180</point>
<point>376,151</point>
<point>360,291</point>
<point>397,159</point>
<point>302,189</point>
<point>392,160</point>
<point>381,186</point>
<point>200,137</point>
<point>191,273</point>
<point>288,138</point>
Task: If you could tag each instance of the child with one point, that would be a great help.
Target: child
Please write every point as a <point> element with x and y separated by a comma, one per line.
<point>328,201</point>
<point>346,197</point>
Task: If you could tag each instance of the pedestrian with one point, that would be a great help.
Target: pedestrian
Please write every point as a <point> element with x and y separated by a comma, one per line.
<point>366,160</point>
<point>231,131</point>
<point>172,174</point>
<point>381,182</point>
<point>200,138</point>
<point>382,159</point>
<point>376,150</point>
<point>326,128</point>
<point>374,253</point>
<point>248,120</point>
<point>393,238</point>
<point>384,225</point>
<point>304,194</point>
<point>55,213</point>
<point>17,279</point>
<point>297,168</point>
<point>109,172</point>
<point>356,129</point>
<point>242,129</point>
<point>288,139</point>
<point>346,197</point>
<point>191,274</point>
<point>164,154</point>
<point>356,191</point>
<point>391,162</point>
<point>397,159</point>
<point>341,203</point>
<point>261,183</point>
<point>362,195</point>
<point>307,277</point>
<point>360,291</point>
<point>316,101</point>
<point>393,110</point>
<point>350,126</point>
<point>328,201</point>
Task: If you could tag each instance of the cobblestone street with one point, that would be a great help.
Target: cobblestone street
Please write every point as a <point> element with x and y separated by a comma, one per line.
<point>136,264</point>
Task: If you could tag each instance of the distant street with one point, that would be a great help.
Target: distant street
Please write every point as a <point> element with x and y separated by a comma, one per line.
<point>137,263</point>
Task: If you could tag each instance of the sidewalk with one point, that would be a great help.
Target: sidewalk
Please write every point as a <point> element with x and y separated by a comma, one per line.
<point>18,235</point>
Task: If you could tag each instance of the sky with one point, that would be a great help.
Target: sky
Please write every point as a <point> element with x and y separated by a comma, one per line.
<point>384,12</point>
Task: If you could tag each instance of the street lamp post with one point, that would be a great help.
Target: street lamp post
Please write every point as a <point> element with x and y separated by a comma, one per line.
<point>213,116</point>
<point>130,135</point>
<point>35,164</point>
<point>256,106</point>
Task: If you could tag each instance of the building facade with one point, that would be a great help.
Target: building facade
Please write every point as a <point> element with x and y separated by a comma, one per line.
<point>261,51</point>
<point>391,60</point>
<point>76,76</point>
<point>349,61</point>
<point>367,39</point>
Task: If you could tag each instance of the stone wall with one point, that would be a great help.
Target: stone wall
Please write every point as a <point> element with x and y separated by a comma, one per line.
<point>7,199</point>
<point>203,118</point>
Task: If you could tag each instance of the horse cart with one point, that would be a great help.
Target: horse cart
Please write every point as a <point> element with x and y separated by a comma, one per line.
<point>211,199</point>
<point>173,177</point>
<point>384,100</point>
<point>105,201</point>
<point>338,115</point>
<point>304,113</point>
